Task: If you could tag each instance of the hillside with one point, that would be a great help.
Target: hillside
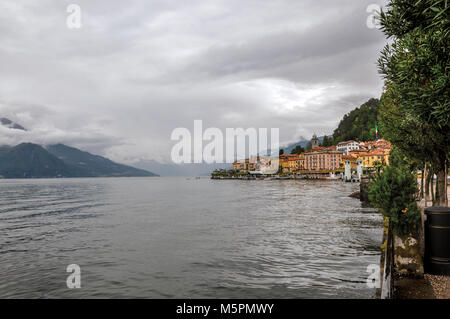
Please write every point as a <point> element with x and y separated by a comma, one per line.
<point>31,161</point>
<point>91,165</point>
<point>359,124</point>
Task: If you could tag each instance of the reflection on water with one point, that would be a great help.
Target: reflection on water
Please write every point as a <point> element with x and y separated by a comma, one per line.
<point>178,237</point>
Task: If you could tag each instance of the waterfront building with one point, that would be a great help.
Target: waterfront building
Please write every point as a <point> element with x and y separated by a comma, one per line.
<point>353,158</point>
<point>374,152</point>
<point>315,141</point>
<point>371,145</point>
<point>347,146</point>
<point>372,158</point>
<point>240,165</point>
<point>301,162</point>
<point>288,163</point>
<point>252,164</point>
<point>320,158</point>
<point>323,158</point>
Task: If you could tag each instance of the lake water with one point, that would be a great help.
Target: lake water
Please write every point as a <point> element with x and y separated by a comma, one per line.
<point>185,238</point>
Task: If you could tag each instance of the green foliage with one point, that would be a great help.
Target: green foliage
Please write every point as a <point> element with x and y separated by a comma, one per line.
<point>327,141</point>
<point>393,190</point>
<point>403,16</point>
<point>298,150</point>
<point>359,124</point>
<point>416,107</point>
<point>308,146</point>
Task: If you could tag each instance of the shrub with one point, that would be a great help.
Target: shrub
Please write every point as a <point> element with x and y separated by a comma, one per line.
<point>393,190</point>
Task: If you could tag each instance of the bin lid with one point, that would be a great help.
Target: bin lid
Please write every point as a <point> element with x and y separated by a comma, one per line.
<point>437,210</point>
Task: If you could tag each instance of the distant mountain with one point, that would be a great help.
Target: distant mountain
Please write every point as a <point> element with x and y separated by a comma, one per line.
<point>29,160</point>
<point>10,124</point>
<point>302,143</point>
<point>90,165</point>
<point>171,169</point>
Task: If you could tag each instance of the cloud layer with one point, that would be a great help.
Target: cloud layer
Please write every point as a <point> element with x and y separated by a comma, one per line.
<point>138,69</point>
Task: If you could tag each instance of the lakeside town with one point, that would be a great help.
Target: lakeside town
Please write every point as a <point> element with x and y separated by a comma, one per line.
<point>324,162</point>
<point>327,125</point>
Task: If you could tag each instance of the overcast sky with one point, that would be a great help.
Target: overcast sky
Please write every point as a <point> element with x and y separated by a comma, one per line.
<point>138,69</point>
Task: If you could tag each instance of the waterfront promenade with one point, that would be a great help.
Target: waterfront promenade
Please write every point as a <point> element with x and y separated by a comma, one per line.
<point>428,287</point>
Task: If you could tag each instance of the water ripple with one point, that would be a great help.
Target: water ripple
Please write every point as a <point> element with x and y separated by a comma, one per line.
<point>178,238</point>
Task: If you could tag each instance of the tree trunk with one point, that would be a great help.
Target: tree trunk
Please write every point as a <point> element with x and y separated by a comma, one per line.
<point>446,177</point>
<point>440,188</point>
<point>421,183</point>
<point>427,184</point>
<point>436,191</point>
<point>432,186</point>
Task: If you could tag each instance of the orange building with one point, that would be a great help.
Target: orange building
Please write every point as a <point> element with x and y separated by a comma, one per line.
<point>301,162</point>
<point>288,163</point>
<point>323,158</point>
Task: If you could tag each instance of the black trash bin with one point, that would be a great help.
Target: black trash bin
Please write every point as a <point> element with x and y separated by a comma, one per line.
<point>437,241</point>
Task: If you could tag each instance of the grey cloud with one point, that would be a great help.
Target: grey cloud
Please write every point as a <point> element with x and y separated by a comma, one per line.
<point>138,69</point>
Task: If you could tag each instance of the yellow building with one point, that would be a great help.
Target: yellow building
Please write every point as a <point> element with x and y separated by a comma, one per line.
<point>301,162</point>
<point>352,158</point>
<point>289,163</point>
<point>372,158</point>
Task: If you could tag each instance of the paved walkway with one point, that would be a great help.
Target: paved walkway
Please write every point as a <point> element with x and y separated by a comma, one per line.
<point>440,285</point>
<point>429,287</point>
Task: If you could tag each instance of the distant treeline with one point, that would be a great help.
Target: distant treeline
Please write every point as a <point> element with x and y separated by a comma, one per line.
<point>358,125</point>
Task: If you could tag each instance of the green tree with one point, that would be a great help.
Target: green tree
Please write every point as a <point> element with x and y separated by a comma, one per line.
<point>327,141</point>
<point>415,67</point>
<point>298,150</point>
<point>359,124</point>
<point>393,190</point>
<point>308,146</point>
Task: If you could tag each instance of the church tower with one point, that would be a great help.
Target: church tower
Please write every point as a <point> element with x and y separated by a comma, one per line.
<point>315,141</point>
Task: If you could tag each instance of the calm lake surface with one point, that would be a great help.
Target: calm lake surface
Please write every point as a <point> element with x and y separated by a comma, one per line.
<point>180,238</point>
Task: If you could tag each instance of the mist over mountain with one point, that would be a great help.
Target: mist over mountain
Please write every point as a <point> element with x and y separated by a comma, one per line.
<point>171,169</point>
<point>10,124</point>
<point>302,143</point>
<point>30,160</point>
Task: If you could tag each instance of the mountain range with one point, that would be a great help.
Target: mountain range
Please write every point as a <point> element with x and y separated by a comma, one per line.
<point>28,160</point>
<point>303,143</point>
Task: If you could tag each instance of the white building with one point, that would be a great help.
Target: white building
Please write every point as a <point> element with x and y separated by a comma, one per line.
<point>346,147</point>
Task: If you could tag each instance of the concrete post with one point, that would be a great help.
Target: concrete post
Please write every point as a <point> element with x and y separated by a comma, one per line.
<point>359,170</point>
<point>348,171</point>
